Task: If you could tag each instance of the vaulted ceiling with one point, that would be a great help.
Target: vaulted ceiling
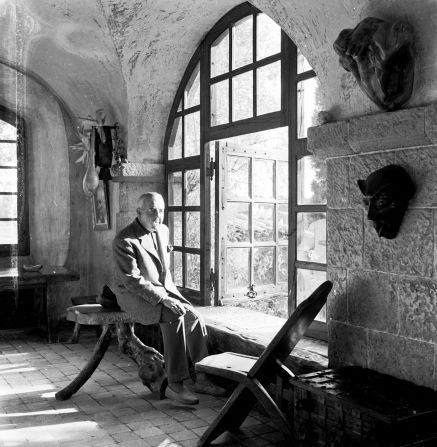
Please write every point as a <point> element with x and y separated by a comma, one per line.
<point>128,56</point>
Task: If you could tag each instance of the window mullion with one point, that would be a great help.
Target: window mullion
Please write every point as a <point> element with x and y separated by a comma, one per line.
<point>230,88</point>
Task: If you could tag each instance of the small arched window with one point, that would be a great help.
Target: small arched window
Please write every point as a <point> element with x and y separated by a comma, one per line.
<point>246,201</point>
<point>14,227</point>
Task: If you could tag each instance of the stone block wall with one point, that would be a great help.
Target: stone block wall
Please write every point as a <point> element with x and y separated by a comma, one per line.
<point>382,313</point>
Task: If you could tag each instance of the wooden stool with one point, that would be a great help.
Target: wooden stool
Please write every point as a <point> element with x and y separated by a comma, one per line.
<point>79,300</point>
<point>120,325</point>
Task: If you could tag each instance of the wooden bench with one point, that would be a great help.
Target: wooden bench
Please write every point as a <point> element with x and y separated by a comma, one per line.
<point>118,325</point>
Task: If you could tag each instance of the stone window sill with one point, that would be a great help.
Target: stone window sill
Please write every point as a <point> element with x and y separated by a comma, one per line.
<point>249,332</point>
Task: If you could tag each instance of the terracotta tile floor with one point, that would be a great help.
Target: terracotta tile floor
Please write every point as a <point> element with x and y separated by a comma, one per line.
<point>113,408</point>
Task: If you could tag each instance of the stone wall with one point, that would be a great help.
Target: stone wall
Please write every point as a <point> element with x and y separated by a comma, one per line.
<point>382,313</point>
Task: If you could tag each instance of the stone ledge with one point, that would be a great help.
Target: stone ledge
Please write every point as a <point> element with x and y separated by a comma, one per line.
<point>140,172</point>
<point>372,133</point>
<point>249,332</point>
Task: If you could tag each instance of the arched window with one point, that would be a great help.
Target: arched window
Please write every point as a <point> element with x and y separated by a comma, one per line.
<point>14,233</point>
<point>246,201</point>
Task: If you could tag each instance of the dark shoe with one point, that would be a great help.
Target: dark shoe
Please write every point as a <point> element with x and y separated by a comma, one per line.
<point>205,386</point>
<point>185,396</point>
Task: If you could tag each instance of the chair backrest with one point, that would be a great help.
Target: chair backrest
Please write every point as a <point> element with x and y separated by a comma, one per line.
<point>293,329</point>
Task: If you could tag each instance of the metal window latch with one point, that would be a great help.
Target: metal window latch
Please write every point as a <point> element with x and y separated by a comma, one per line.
<point>251,293</point>
<point>210,170</point>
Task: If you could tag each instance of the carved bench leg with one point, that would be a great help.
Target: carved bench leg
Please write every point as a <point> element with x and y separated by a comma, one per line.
<point>99,351</point>
<point>75,335</point>
<point>150,361</point>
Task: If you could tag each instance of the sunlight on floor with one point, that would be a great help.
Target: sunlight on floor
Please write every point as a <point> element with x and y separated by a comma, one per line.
<point>24,389</point>
<point>39,413</point>
<point>17,370</point>
<point>7,367</point>
<point>52,433</point>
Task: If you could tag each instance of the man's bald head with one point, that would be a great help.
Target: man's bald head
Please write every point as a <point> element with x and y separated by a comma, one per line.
<point>148,197</point>
<point>150,210</point>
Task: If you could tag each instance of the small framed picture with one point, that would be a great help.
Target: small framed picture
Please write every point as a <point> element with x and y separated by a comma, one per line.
<point>101,207</point>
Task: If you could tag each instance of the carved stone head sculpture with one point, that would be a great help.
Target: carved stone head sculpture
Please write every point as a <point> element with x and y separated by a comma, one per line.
<point>380,55</point>
<point>387,192</point>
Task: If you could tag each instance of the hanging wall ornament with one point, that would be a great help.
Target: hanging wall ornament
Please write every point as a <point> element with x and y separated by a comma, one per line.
<point>104,150</point>
<point>380,55</point>
<point>387,192</point>
<point>91,177</point>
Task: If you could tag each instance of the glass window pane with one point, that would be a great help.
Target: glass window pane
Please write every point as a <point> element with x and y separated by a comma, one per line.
<point>7,131</point>
<point>8,232</point>
<point>237,268</point>
<point>192,134</point>
<point>176,267</point>
<point>268,88</point>
<point>302,63</point>
<point>263,179</point>
<point>237,222</point>
<point>308,105</point>
<point>242,42</point>
<point>282,264</point>
<point>192,280</point>
<point>282,216</point>
<point>311,237</point>
<point>263,265</point>
<point>8,206</point>
<point>192,229</point>
<point>192,89</point>
<point>220,103</point>
<point>307,282</point>
<point>192,187</point>
<point>220,55</point>
<point>238,177</point>
<point>175,143</point>
<point>242,96</point>
<point>263,221</point>
<point>175,227</point>
<point>268,37</point>
<point>282,191</point>
<point>175,189</point>
<point>8,154</point>
<point>311,181</point>
<point>8,180</point>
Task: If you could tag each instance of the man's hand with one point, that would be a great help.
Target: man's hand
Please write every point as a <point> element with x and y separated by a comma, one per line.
<point>174,305</point>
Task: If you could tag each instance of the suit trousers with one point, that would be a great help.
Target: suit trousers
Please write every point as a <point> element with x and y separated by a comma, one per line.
<point>182,336</point>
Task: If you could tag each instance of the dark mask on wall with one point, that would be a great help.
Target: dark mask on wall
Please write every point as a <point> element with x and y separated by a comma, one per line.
<point>387,192</point>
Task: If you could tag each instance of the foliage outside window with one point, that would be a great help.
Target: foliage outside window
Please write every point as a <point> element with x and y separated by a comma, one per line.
<point>14,237</point>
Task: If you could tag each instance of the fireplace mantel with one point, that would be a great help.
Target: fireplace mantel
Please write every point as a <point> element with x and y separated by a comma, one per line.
<point>401,129</point>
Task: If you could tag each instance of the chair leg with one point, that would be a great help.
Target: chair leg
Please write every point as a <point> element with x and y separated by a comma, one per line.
<point>86,372</point>
<point>230,417</point>
<point>276,415</point>
<point>75,335</point>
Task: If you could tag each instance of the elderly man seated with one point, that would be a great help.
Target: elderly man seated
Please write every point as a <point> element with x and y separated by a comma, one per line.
<point>147,292</point>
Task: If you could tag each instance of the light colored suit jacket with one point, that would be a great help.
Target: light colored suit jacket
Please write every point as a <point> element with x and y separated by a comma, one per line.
<point>143,275</point>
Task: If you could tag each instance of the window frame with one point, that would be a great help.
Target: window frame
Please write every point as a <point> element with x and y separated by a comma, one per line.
<point>287,116</point>
<point>23,246</point>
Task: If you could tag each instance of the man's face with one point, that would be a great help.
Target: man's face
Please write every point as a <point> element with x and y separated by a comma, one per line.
<point>151,214</point>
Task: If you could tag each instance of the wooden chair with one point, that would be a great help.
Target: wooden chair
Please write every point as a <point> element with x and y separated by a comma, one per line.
<point>255,374</point>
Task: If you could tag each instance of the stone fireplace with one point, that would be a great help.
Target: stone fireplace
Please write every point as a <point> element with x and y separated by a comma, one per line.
<point>382,313</point>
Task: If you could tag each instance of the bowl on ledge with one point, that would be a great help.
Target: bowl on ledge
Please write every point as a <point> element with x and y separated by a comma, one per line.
<point>32,268</point>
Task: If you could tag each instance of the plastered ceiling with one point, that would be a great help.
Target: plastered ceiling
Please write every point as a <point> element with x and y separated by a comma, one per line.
<point>128,56</point>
